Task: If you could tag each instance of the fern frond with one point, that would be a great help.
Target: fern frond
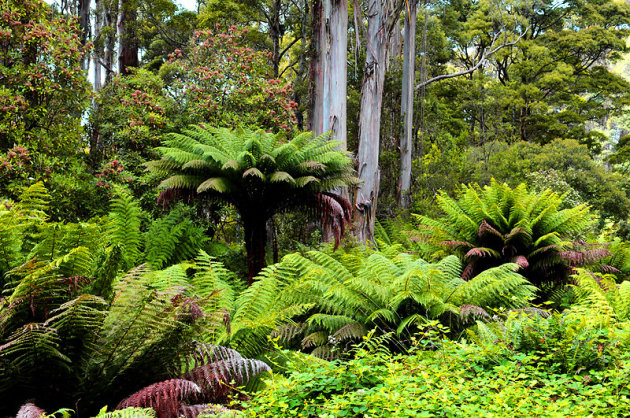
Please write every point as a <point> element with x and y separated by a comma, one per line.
<point>124,226</point>
<point>164,397</point>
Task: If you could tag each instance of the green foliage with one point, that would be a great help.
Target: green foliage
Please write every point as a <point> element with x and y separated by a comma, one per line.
<point>590,334</point>
<point>220,162</point>
<point>330,301</point>
<point>173,239</point>
<point>489,226</point>
<point>604,190</point>
<point>130,116</point>
<point>221,82</point>
<point>69,320</point>
<point>43,95</point>
<point>260,174</point>
<point>127,413</point>
<point>16,221</point>
<point>453,379</point>
<point>43,90</point>
<point>124,227</point>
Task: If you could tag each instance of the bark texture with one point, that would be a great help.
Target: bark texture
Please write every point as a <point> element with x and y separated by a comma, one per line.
<point>84,24</point>
<point>406,105</point>
<point>254,227</point>
<point>330,18</point>
<point>382,16</point>
<point>110,13</point>
<point>98,45</point>
<point>128,40</point>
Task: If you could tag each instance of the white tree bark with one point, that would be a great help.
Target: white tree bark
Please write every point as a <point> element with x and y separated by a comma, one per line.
<point>330,69</point>
<point>99,48</point>
<point>406,105</point>
<point>382,16</point>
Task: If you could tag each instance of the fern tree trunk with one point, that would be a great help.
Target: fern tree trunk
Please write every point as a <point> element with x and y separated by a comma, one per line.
<point>255,228</point>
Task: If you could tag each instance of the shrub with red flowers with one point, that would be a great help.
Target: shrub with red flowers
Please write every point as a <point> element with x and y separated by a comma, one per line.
<point>113,172</point>
<point>130,116</point>
<point>220,82</point>
<point>14,165</point>
<point>43,90</point>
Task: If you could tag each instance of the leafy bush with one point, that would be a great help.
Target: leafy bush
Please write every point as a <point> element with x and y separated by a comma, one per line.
<point>453,380</point>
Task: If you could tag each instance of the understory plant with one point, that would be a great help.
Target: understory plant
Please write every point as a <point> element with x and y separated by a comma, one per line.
<point>324,301</point>
<point>489,226</point>
<point>453,379</point>
<point>590,334</point>
<point>77,330</point>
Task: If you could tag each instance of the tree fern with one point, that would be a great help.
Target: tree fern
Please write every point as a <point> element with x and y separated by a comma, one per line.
<point>489,226</point>
<point>163,397</point>
<point>346,294</point>
<point>260,174</point>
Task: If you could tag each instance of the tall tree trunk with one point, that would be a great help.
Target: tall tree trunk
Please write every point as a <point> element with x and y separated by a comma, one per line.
<point>128,39</point>
<point>111,18</point>
<point>303,69</point>
<point>406,105</point>
<point>84,24</point>
<point>255,230</point>
<point>98,45</point>
<point>382,16</point>
<point>275,33</point>
<point>329,71</point>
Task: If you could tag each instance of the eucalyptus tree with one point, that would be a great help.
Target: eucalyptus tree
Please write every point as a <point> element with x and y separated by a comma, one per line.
<point>329,68</point>
<point>382,17</point>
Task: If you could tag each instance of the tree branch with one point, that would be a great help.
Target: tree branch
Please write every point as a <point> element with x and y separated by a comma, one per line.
<point>483,59</point>
<point>284,51</point>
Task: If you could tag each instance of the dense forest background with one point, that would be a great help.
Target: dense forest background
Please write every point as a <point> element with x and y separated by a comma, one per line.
<point>373,199</point>
<point>533,92</point>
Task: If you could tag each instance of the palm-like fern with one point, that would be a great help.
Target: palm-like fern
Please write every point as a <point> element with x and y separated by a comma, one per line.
<point>489,226</point>
<point>259,174</point>
<point>329,299</point>
<point>16,221</point>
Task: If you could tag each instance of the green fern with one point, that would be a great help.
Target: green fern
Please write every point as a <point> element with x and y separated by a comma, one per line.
<point>123,228</point>
<point>338,296</point>
<point>260,174</point>
<point>173,239</point>
<point>490,226</point>
<point>15,223</point>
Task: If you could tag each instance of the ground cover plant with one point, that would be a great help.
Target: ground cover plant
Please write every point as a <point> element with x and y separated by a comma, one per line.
<point>450,379</point>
